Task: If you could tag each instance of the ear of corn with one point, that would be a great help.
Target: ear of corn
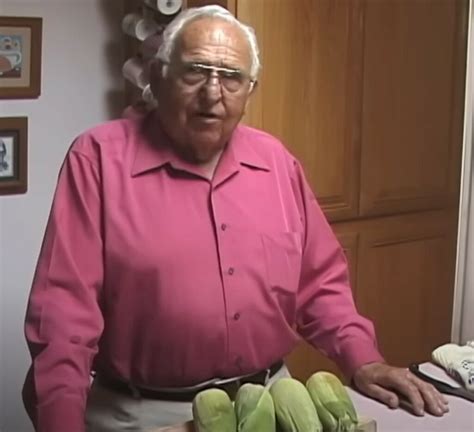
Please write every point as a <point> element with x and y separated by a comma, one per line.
<point>213,411</point>
<point>294,409</point>
<point>254,409</point>
<point>328,421</point>
<point>332,402</point>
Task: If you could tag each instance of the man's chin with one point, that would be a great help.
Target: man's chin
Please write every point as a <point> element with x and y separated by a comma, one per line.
<point>204,151</point>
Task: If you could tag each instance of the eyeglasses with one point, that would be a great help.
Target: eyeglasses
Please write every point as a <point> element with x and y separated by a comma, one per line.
<point>196,74</point>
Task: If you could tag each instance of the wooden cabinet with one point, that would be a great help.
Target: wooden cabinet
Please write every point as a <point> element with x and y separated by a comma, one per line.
<point>310,90</point>
<point>369,95</point>
<point>402,273</point>
<point>413,81</point>
<point>406,269</point>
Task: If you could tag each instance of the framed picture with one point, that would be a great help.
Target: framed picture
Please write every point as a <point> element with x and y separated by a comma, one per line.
<point>13,155</point>
<point>20,57</point>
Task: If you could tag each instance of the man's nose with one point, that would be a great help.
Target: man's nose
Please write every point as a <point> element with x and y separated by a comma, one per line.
<point>212,90</point>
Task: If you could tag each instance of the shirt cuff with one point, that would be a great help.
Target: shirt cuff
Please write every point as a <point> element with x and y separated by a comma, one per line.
<point>357,354</point>
<point>59,415</point>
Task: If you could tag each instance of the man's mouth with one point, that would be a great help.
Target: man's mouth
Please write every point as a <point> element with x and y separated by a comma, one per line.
<point>208,117</point>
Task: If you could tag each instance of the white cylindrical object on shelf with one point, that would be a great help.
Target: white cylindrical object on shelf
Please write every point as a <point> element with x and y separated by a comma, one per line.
<point>134,71</point>
<point>166,7</point>
<point>138,26</point>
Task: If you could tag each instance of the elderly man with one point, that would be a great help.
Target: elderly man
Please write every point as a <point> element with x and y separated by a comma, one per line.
<point>185,251</point>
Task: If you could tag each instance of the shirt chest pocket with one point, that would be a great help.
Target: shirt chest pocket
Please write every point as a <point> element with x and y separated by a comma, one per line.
<point>283,255</point>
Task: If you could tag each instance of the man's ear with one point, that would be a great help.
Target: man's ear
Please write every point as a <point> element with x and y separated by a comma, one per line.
<point>253,87</point>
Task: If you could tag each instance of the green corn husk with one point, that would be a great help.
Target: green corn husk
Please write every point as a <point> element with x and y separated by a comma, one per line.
<point>333,404</point>
<point>294,409</point>
<point>213,411</point>
<point>254,409</point>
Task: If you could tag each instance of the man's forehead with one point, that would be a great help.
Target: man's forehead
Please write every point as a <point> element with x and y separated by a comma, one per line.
<point>213,34</point>
<point>214,25</point>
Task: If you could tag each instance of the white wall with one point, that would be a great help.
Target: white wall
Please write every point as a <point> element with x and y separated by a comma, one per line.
<point>463,313</point>
<point>81,86</point>
<point>467,323</point>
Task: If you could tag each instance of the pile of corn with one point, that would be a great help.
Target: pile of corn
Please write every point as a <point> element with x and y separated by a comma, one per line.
<point>285,406</point>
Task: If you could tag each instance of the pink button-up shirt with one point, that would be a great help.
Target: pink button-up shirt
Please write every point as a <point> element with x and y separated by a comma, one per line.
<point>161,277</point>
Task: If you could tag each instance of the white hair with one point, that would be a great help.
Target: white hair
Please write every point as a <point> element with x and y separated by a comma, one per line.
<point>173,29</point>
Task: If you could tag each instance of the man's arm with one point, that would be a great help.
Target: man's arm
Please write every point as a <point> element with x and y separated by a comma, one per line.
<point>328,319</point>
<point>63,320</point>
<point>327,316</point>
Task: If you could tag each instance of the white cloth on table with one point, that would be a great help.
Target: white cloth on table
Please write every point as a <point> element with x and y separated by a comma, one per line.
<point>458,361</point>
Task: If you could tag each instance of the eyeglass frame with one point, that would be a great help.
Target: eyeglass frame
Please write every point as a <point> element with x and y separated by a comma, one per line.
<point>211,68</point>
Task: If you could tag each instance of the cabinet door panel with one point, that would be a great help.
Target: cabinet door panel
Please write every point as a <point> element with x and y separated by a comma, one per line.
<point>412,104</point>
<point>309,90</point>
<point>406,283</point>
<point>402,272</point>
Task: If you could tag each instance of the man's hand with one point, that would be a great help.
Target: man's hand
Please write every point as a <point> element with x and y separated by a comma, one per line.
<point>387,383</point>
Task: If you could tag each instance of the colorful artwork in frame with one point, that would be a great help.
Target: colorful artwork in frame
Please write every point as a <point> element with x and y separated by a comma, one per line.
<point>13,155</point>
<point>20,57</point>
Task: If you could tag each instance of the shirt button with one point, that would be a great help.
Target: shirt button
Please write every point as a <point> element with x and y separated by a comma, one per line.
<point>223,227</point>
<point>236,316</point>
<point>231,271</point>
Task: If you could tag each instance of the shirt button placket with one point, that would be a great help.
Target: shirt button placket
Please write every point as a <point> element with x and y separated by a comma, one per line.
<point>236,316</point>
<point>238,362</point>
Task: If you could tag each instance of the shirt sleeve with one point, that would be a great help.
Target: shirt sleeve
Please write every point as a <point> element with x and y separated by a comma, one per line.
<point>63,318</point>
<point>327,315</point>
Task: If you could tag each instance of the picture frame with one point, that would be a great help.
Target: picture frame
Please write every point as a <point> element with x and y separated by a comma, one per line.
<point>13,155</point>
<point>20,57</point>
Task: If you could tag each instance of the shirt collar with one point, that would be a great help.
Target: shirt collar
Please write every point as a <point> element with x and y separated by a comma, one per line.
<point>244,149</point>
<point>153,148</point>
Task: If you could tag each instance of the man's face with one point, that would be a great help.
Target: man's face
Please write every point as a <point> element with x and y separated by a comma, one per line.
<point>199,107</point>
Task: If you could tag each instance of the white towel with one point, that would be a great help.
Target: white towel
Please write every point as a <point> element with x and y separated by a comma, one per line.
<point>458,361</point>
